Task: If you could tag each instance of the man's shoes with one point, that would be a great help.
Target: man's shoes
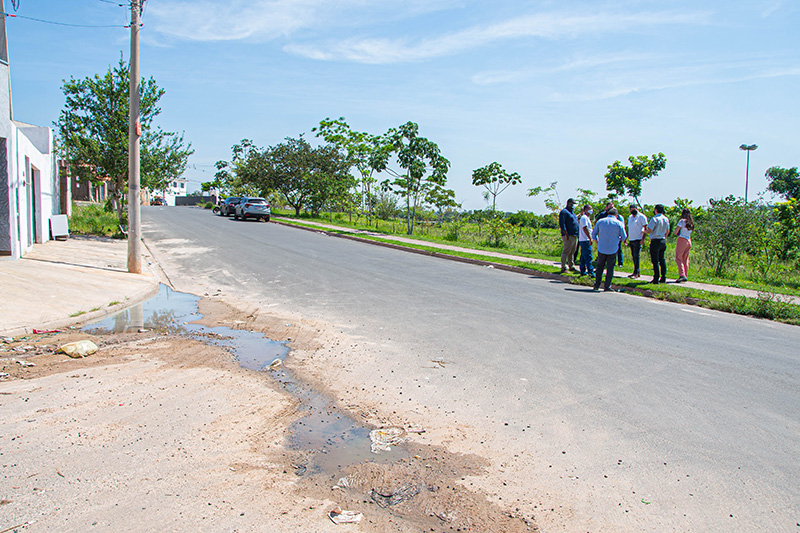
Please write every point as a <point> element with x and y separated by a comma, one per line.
<point>631,276</point>
<point>663,280</point>
<point>595,289</point>
<point>575,270</point>
<point>654,281</point>
<point>609,290</point>
<point>563,270</point>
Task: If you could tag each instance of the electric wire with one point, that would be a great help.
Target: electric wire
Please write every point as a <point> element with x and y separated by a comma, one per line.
<point>64,23</point>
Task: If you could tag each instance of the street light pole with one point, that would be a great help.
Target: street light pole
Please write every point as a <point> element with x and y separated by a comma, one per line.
<point>134,131</point>
<point>747,148</point>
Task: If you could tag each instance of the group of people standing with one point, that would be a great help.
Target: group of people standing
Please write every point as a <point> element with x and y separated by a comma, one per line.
<point>609,234</point>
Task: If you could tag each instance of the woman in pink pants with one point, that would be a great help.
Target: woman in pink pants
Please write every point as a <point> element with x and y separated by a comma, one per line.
<point>683,230</point>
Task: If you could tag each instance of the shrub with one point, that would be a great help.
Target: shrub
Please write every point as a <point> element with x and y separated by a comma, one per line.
<point>94,219</point>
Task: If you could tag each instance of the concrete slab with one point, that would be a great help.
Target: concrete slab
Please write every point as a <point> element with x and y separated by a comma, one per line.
<point>62,283</point>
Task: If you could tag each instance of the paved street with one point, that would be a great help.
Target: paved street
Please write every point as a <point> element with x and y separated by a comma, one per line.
<point>645,414</point>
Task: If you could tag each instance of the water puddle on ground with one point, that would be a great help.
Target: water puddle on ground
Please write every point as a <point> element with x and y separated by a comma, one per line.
<point>332,438</point>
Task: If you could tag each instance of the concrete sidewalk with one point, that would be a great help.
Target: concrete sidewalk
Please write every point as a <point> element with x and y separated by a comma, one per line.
<point>721,289</point>
<point>61,283</point>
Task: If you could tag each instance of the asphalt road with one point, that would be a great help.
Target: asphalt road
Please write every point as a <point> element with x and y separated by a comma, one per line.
<point>695,413</point>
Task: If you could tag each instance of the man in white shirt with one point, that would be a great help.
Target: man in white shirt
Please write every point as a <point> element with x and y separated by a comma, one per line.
<point>585,240</point>
<point>636,223</point>
<point>658,229</point>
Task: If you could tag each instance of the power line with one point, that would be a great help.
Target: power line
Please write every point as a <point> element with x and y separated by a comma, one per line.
<point>65,23</point>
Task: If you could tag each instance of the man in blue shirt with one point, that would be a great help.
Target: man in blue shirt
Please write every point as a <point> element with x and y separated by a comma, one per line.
<point>609,232</point>
<point>568,223</point>
<point>658,229</point>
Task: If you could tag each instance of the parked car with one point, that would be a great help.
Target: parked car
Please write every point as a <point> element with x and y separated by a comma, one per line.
<point>157,200</point>
<point>227,205</point>
<point>252,207</point>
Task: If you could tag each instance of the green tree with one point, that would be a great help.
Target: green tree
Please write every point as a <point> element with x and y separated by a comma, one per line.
<point>93,132</point>
<point>304,175</point>
<point>628,180</point>
<point>784,182</point>
<point>495,179</point>
<point>243,175</point>
<point>724,231</point>
<point>552,200</point>
<point>442,199</point>
<point>788,215</point>
<point>425,168</point>
<point>368,153</point>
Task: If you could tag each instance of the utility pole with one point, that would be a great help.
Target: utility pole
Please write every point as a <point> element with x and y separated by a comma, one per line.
<point>134,132</point>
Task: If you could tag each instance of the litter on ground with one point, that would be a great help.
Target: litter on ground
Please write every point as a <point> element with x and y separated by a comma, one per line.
<point>338,516</point>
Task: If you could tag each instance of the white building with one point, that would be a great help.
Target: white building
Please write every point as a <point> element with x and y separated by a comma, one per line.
<point>176,187</point>
<point>29,186</point>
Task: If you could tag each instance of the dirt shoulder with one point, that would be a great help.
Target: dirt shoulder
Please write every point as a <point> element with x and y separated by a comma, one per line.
<point>161,432</point>
<point>151,433</point>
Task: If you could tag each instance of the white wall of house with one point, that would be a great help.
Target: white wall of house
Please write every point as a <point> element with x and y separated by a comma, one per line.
<point>33,183</point>
<point>29,187</point>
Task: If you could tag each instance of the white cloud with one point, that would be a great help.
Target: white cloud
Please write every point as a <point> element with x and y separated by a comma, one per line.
<point>218,21</point>
<point>207,20</point>
<point>547,25</point>
<point>579,62</point>
<point>603,86</point>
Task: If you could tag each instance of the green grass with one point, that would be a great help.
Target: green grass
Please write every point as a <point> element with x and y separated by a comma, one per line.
<point>767,305</point>
<point>79,313</point>
<point>93,219</point>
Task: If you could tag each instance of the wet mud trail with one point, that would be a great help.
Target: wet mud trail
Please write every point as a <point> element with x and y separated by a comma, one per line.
<point>378,473</point>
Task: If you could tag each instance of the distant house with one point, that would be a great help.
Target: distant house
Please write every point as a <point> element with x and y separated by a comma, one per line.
<point>29,180</point>
<point>175,188</point>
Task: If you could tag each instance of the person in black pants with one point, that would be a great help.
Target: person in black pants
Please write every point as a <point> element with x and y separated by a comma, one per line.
<point>658,229</point>
<point>636,224</point>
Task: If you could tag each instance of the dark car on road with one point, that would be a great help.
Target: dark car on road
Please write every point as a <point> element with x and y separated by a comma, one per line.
<point>227,206</point>
<point>257,208</point>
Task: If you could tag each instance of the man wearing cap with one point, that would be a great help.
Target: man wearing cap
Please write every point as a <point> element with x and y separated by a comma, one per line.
<point>568,223</point>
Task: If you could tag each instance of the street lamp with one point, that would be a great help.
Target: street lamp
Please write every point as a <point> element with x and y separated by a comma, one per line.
<point>747,148</point>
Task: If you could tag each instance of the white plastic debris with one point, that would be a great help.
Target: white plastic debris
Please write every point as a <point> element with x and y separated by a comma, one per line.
<point>275,364</point>
<point>25,363</point>
<point>338,516</point>
<point>384,439</point>
<point>79,348</point>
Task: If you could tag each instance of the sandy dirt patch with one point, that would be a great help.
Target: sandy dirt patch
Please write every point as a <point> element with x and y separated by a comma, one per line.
<point>161,432</point>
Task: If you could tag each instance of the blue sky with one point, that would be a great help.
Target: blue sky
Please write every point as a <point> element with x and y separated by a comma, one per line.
<point>555,91</point>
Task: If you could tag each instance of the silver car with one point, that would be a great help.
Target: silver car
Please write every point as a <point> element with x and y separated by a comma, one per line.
<point>257,208</point>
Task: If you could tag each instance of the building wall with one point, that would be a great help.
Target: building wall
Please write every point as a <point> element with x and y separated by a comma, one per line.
<point>6,230</point>
<point>37,198</point>
<point>29,190</point>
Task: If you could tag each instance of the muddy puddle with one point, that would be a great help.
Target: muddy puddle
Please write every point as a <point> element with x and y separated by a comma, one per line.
<point>330,438</point>
<point>337,457</point>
